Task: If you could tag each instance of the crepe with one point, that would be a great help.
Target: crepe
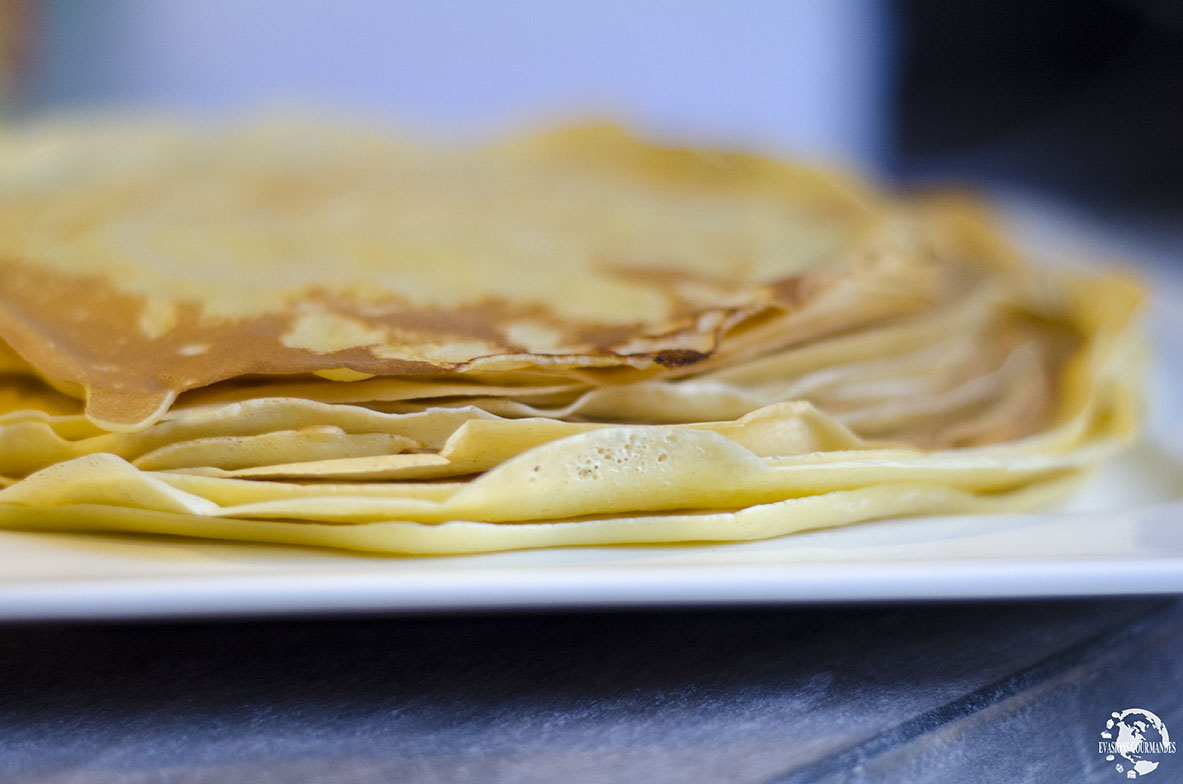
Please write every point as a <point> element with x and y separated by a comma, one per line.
<point>330,336</point>
<point>208,260</point>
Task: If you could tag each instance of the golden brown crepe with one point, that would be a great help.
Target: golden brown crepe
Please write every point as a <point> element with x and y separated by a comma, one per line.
<point>323,335</point>
<point>268,252</point>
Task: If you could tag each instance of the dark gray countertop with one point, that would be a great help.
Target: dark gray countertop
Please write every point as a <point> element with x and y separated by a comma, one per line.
<point>1008,692</point>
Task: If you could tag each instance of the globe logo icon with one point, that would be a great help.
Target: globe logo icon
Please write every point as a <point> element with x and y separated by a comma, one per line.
<point>1135,740</point>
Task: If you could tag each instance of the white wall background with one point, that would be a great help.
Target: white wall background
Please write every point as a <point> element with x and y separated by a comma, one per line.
<point>805,77</point>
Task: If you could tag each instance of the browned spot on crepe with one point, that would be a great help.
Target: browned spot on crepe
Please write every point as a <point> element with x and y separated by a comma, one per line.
<point>130,376</point>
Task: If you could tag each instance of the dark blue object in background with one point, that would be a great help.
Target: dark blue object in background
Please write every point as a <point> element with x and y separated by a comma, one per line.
<point>1082,99</point>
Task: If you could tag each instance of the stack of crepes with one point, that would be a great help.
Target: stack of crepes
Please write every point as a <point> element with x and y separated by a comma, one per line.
<point>327,336</point>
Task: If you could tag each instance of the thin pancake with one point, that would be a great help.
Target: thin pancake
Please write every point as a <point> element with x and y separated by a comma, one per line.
<point>279,251</point>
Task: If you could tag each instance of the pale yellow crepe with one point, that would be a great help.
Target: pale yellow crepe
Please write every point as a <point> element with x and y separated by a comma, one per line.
<point>756,522</point>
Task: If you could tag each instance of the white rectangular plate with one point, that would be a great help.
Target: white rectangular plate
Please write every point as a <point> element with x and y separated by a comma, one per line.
<point>1122,534</point>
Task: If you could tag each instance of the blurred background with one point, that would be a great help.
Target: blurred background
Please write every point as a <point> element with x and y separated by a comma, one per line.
<point>1079,99</point>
